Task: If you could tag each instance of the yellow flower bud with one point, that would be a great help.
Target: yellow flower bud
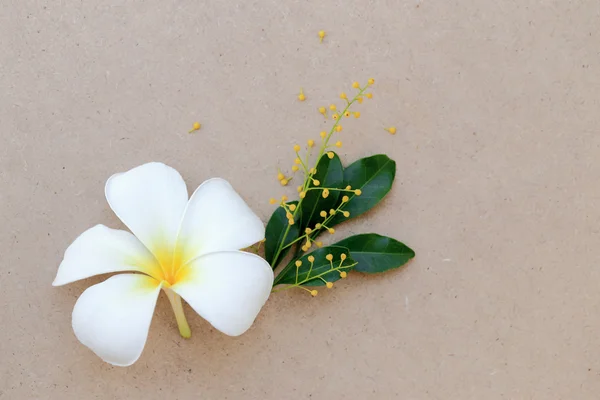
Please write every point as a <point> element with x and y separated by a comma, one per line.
<point>355,85</point>
<point>297,161</point>
<point>343,274</point>
<point>356,114</point>
<point>332,107</point>
<point>322,213</point>
<point>358,192</point>
<point>343,256</point>
<point>280,176</point>
<point>391,130</point>
<point>338,143</point>
<point>319,244</point>
<point>331,230</point>
<point>295,168</point>
<point>314,293</point>
<point>296,148</point>
<point>322,110</point>
<point>283,182</point>
<point>338,128</point>
<point>371,81</point>
<point>298,263</point>
<point>329,285</point>
<point>311,258</point>
<point>284,198</point>
<point>369,95</point>
<point>272,200</point>
<point>323,134</point>
<point>330,154</point>
<point>329,257</point>
<point>310,143</point>
<point>345,199</point>
<point>347,114</point>
<point>292,207</point>
<point>343,96</point>
<point>346,214</point>
<point>302,195</point>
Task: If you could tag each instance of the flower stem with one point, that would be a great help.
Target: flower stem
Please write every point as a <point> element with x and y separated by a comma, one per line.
<point>182,324</point>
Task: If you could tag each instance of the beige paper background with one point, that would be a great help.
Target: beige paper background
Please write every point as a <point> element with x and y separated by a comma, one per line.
<point>496,105</point>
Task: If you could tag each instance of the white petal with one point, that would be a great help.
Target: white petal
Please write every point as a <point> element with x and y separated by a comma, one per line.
<point>217,219</point>
<point>100,250</point>
<point>227,288</point>
<point>150,200</point>
<point>112,318</point>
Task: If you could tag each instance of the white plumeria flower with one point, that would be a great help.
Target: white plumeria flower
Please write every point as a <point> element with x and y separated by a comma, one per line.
<point>189,249</point>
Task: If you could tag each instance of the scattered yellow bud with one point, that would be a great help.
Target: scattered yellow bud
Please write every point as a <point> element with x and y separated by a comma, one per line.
<point>338,128</point>
<point>371,81</point>
<point>369,95</point>
<point>343,96</point>
<point>321,36</point>
<point>314,293</point>
<point>345,199</point>
<point>301,96</point>
<point>299,188</point>
<point>318,226</point>
<point>292,207</point>
<point>332,107</point>
<point>319,244</point>
<point>280,176</point>
<point>295,168</point>
<point>356,114</point>
<point>272,200</point>
<point>296,148</point>
<point>312,171</point>
<point>291,221</point>
<point>195,127</point>
<point>283,182</point>
<point>360,100</point>
<point>302,195</point>
<point>391,129</point>
<point>311,258</point>
<point>329,257</point>
<point>322,110</point>
<point>322,213</point>
<point>347,114</point>
<point>343,274</point>
<point>346,214</point>
<point>348,187</point>
<point>329,285</point>
<point>310,143</point>
<point>338,143</point>
<point>284,198</point>
<point>298,263</point>
<point>307,245</point>
<point>332,212</point>
<point>343,256</point>
<point>308,231</point>
<point>304,248</point>
<point>355,85</point>
<point>358,192</point>
<point>330,154</point>
<point>289,215</point>
<point>331,230</point>
<point>335,116</point>
<point>323,134</point>
<point>316,182</point>
<point>325,193</point>
<point>297,161</point>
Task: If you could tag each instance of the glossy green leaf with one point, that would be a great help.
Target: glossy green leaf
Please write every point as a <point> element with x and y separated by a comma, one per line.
<point>276,228</point>
<point>330,174</point>
<point>375,253</point>
<point>374,177</point>
<point>319,271</point>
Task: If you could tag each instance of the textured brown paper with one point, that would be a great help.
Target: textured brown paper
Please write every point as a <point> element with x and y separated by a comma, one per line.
<point>497,189</point>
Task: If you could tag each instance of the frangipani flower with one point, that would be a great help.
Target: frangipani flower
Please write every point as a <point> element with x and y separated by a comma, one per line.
<point>189,249</point>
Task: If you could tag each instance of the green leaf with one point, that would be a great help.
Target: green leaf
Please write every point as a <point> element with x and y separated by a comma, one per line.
<point>375,253</point>
<point>330,174</point>
<point>310,275</point>
<point>374,177</point>
<point>274,232</point>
